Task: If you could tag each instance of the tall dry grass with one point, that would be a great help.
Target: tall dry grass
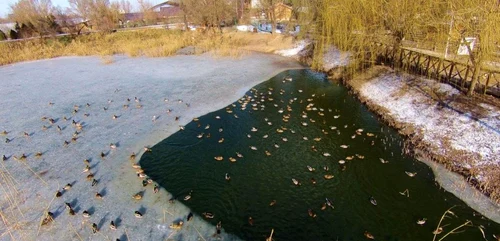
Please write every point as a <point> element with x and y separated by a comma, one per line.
<point>146,42</point>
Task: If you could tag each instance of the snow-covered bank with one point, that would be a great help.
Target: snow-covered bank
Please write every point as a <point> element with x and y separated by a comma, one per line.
<point>448,127</point>
<point>53,88</point>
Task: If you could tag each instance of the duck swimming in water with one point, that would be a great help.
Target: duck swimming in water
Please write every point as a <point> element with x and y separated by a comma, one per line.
<point>311,213</point>
<point>328,176</point>
<point>272,203</point>
<point>310,168</point>
<point>411,174</point>
<point>295,182</point>
<point>227,177</point>
<point>328,203</point>
<point>208,215</point>
<point>373,201</point>
<point>421,221</point>
<point>368,235</point>
<point>187,197</point>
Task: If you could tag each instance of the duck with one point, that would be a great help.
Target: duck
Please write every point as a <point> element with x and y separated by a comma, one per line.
<point>67,187</point>
<point>272,203</point>
<point>176,225</point>
<point>421,221</point>
<point>326,168</point>
<point>369,235</point>
<point>265,136</point>
<point>341,162</point>
<point>284,139</point>
<point>327,154</point>
<point>86,214</point>
<point>187,197</point>
<point>132,156</point>
<point>4,133</point>
<point>311,169</point>
<point>250,221</point>
<point>38,154</point>
<point>227,177</point>
<point>219,158</point>
<point>311,213</point>
<point>98,195</point>
<point>94,228</point>
<point>86,169</point>
<point>410,174</point>
<point>49,217</point>
<point>221,140</point>
<point>208,215</point>
<point>313,181</point>
<point>115,117</point>
<point>94,182</point>
<point>239,155</point>
<point>156,189</point>
<point>383,161</point>
<point>90,177</point>
<point>137,196</point>
<point>328,203</point>
<point>253,129</point>
<point>373,201</point>
<point>71,211</point>
<point>305,138</point>
<point>199,136</point>
<point>112,146</point>
<point>253,148</point>
<point>328,176</point>
<point>344,146</point>
<point>267,153</point>
<point>112,225</point>
<point>232,159</point>
<point>207,127</point>
<point>295,182</point>
<point>138,214</point>
<point>58,193</point>
<point>438,230</point>
<point>103,155</point>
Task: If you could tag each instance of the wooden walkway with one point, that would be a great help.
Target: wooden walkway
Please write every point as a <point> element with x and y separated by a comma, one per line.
<point>433,65</point>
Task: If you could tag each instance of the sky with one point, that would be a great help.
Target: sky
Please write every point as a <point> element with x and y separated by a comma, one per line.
<point>5,5</point>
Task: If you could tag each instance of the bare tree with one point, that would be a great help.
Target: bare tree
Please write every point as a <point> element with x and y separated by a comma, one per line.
<point>209,13</point>
<point>35,16</point>
<point>148,15</point>
<point>102,14</point>
<point>125,6</point>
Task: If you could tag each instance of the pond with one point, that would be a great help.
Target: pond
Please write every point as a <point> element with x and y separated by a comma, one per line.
<point>298,127</point>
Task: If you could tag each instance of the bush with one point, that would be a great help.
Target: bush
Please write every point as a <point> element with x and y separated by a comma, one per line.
<point>2,36</point>
<point>13,34</point>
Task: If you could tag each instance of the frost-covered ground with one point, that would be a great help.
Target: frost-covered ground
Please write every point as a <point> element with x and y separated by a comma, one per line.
<point>463,132</point>
<point>28,187</point>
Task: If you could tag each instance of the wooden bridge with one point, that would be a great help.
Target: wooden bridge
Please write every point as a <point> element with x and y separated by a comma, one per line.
<point>456,71</point>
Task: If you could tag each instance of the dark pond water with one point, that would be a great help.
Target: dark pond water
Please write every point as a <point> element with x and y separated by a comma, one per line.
<point>314,108</point>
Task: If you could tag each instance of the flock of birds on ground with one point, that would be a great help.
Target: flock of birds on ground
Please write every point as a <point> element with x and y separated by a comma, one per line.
<point>78,127</point>
<point>254,102</point>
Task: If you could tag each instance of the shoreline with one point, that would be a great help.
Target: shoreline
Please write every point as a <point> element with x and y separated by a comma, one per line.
<point>31,86</point>
<point>450,175</point>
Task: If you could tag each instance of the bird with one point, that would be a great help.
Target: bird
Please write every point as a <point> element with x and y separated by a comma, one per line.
<point>94,228</point>
<point>138,214</point>
<point>190,216</point>
<point>58,193</point>
<point>176,225</point>
<point>421,221</point>
<point>98,195</point>
<point>86,214</point>
<point>227,177</point>
<point>49,217</point>
<point>208,215</point>
<point>137,196</point>
<point>156,189</point>
<point>4,158</point>
<point>369,235</point>
<point>410,174</point>
<point>112,225</point>
<point>94,182</point>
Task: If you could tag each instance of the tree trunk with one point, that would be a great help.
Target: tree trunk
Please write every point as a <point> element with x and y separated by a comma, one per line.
<point>477,60</point>
<point>185,22</point>
<point>475,78</point>
<point>273,19</point>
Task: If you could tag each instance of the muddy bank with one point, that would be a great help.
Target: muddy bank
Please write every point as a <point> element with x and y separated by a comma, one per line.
<point>443,128</point>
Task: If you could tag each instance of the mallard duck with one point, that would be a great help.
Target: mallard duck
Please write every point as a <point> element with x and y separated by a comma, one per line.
<point>94,228</point>
<point>138,214</point>
<point>344,146</point>
<point>219,158</point>
<point>438,230</point>
<point>115,116</point>
<point>38,154</point>
<point>305,138</point>
<point>71,211</point>
<point>208,215</point>
<point>284,139</point>
<point>341,162</point>
<point>221,140</point>
<point>137,196</point>
<point>328,176</point>
<point>421,221</point>
<point>67,187</point>
<point>132,156</point>
<point>295,182</point>
<point>311,169</point>
<point>239,155</point>
<point>98,195</point>
<point>373,201</point>
<point>94,182</point>
<point>86,214</point>
<point>103,155</point>
<point>253,148</point>
<point>49,217</point>
<point>156,189</point>
<point>250,221</point>
<point>58,193</point>
<point>268,153</point>
<point>383,161</point>
<point>232,159</point>
<point>227,177</point>
<point>4,133</point>
<point>199,136</point>
<point>253,129</point>
<point>272,203</point>
<point>311,213</point>
<point>329,203</point>
<point>86,169</point>
<point>176,225</point>
<point>349,158</point>
<point>190,216</point>
<point>369,235</point>
<point>313,181</point>
<point>326,154</point>
<point>112,225</point>
<point>187,197</point>
<point>90,177</point>
<point>411,174</point>
<point>112,145</point>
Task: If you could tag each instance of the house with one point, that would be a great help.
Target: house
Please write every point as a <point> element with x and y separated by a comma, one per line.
<point>282,12</point>
<point>168,11</point>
